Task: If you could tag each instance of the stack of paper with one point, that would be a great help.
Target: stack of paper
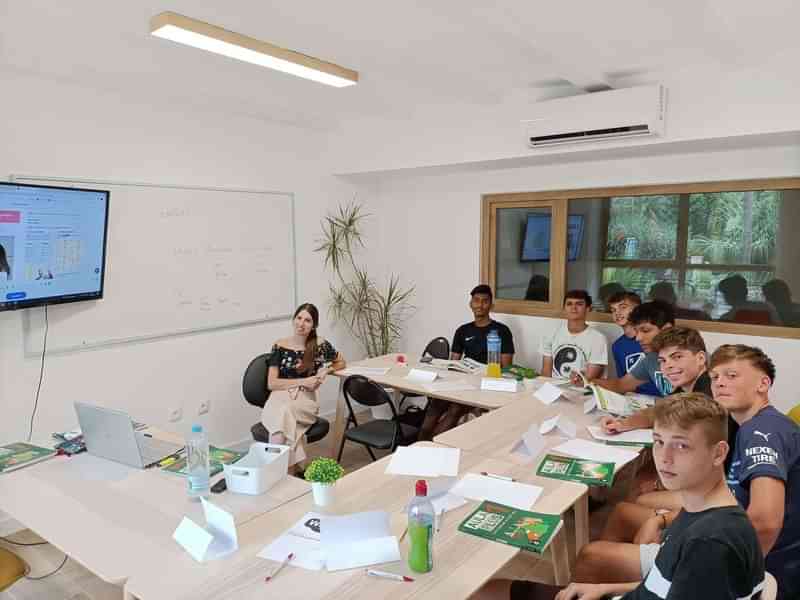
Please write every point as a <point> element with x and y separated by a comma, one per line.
<point>422,461</point>
<point>510,493</point>
<point>596,452</point>
<point>636,436</point>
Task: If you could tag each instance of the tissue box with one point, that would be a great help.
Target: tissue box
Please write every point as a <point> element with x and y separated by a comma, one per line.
<point>260,469</point>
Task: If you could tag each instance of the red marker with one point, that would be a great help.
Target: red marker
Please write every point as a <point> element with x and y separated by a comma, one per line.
<point>279,567</point>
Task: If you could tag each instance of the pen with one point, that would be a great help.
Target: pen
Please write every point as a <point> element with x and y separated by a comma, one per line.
<point>279,567</point>
<point>403,536</point>
<point>387,575</point>
<point>439,521</point>
<point>495,476</point>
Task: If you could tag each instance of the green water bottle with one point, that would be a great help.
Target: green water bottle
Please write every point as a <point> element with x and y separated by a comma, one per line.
<point>420,530</point>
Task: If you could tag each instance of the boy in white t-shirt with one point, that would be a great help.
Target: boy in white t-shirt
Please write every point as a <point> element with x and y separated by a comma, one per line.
<point>575,346</point>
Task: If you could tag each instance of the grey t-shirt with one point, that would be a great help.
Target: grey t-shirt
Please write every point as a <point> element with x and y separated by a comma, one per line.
<point>648,369</point>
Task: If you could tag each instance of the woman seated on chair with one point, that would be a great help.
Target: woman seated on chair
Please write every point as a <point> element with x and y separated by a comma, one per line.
<point>297,367</point>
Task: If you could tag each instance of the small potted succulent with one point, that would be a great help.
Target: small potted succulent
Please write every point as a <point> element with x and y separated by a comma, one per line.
<point>323,474</point>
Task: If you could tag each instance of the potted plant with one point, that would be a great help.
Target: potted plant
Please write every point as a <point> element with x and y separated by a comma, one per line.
<point>323,474</point>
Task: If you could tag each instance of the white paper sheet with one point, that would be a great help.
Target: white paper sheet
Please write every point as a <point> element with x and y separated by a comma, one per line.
<point>593,451</point>
<point>548,393</point>
<point>365,371</point>
<point>358,540</point>
<point>307,527</point>
<point>424,462</point>
<point>564,425</point>
<point>447,502</point>
<point>511,493</point>
<point>531,444</point>
<point>449,386</point>
<point>216,540</point>
<point>636,436</point>
<point>589,404</point>
<point>307,552</point>
<point>421,376</point>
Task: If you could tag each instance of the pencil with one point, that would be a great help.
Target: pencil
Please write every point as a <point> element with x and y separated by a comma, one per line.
<point>279,567</point>
<point>496,476</point>
<point>403,536</point>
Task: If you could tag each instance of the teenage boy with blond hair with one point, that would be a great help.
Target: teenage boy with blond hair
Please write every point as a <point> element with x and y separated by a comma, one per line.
<point>710,551</point>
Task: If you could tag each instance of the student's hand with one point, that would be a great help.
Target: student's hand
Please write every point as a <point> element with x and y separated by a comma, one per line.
<point>650,532</point>
<point>584,591</point>
<point>611,426</point>
<point>311,383</point>
<point>576,379</point>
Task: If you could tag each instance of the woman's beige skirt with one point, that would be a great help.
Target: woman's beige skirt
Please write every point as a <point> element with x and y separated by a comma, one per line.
<point>291,412</point>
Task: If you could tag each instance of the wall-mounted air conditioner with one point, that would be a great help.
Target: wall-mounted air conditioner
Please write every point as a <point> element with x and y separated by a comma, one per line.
<point>614,114</point>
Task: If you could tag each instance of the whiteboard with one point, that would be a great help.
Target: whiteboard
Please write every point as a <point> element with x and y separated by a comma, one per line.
<point>179,260</point>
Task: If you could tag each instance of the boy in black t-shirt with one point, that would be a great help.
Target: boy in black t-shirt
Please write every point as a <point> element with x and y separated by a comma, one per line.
<point>710,551</point>
<point>764,474</point>
<point>470,341</point>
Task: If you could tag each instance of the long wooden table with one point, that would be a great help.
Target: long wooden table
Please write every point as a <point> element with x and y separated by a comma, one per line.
<point>462,563</point>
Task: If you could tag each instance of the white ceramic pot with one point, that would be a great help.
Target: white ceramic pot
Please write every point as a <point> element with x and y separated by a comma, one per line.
<point>323,493</point>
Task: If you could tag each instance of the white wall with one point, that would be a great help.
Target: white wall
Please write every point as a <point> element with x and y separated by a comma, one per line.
<point>60,129</point>
<point>431,232</point>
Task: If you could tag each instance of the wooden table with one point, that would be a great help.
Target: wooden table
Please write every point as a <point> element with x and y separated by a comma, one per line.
<point>462,563</point>
<point>396,378</point>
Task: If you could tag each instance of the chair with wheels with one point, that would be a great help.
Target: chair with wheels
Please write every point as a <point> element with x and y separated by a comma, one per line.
<point>12,568</point>
<point>254,390</point>
<point>382,434</point>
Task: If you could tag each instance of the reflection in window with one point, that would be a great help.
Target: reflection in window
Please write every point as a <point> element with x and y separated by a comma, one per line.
<point>523,254</point>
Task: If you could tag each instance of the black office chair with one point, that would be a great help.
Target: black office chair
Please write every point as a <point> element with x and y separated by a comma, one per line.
<point>380,433</point>
<point>254,390</point>
<point>437,348</point>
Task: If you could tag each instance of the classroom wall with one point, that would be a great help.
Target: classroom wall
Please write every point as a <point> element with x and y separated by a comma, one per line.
<point>431,232</point>
<point>57,128</point>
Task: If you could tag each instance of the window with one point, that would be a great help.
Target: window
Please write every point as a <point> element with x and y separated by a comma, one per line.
<point>722,253</point>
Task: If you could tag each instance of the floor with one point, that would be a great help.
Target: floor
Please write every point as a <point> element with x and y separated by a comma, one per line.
<point>73,582</point>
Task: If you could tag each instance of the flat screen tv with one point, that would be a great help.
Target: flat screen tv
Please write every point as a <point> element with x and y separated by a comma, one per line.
<point>536,243</point>
<point>52,244</point>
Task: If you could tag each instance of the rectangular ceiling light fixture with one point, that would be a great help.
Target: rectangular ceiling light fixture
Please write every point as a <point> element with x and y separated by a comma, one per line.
<point>184,30</point>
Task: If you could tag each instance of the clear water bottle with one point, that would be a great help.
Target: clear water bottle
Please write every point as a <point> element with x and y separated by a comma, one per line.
<point>420,530</point>
<point>493,354</point>
<point>197,463</point>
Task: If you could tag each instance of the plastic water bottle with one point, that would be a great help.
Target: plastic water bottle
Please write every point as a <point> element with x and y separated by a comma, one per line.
<point>493,352</point>
<point>197,463</point>
<point>420,530</point>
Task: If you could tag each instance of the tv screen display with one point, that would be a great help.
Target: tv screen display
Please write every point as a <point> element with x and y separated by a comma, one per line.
<point>536,244</point>
<point>52,244</point>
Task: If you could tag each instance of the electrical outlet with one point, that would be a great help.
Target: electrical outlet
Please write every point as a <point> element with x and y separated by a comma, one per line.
<point>175,414</point>
<point>204,407</point>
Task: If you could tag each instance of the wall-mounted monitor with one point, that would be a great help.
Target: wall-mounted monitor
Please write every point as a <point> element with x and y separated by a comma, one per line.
<point>52,244</point>
<point>536,243</point>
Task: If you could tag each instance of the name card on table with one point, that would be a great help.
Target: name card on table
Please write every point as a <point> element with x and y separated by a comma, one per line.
<point>499,384</point>
<point>548,393</point>
<point>216,540</point>
<point>560,422</point>
<point>421,376</point>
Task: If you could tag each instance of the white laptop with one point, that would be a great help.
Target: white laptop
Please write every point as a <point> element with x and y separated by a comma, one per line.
<point>111,434</point>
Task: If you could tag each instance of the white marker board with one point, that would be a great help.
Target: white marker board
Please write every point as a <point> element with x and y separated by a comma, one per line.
<point>179,260</point>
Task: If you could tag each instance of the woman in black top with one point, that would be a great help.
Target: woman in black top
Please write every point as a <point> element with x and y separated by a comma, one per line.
<point>297,367</point>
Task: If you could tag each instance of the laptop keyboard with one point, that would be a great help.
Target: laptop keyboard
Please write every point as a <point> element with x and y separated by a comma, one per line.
<point>154,450</point>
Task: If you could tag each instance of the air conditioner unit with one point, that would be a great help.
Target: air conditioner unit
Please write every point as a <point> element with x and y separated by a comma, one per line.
<point>614,114</point>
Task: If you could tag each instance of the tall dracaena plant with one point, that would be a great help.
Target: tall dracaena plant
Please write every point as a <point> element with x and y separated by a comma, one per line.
<point>374,315</point>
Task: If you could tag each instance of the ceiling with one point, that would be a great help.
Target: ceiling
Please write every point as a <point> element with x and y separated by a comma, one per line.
<point>412,56</point>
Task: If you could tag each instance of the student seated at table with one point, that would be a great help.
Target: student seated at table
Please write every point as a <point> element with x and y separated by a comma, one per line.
<point>627,351</point>
<point>709,552</point>
<point>470,341</point>
<point>298,365</point>
<point>648,319</point>
<point>575,346</point>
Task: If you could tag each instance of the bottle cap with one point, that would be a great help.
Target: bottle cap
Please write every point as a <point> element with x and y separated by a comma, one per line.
<point>421,487</point>
<point>197,428</point>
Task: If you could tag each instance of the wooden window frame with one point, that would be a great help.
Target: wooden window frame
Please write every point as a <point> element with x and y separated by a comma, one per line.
<point>558,202</point>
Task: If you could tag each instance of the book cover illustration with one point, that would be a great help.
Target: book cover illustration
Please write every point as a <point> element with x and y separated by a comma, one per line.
<point>176,463</point>
<point>521,528</point>
<point>588,472</point>
<point>19,454</point>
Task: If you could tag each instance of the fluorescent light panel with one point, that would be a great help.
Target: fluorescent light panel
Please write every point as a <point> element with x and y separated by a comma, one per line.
<point>184,30</point>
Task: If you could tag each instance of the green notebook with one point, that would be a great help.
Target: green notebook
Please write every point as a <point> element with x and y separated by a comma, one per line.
<point>589,472</point>
<point>18,455</point>
<point>217,457</point>
<point>521,528</point>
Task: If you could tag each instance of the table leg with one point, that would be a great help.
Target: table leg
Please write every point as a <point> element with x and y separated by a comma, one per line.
<point>559,554</point>
<point>339,420</point>
<point>581,511</point>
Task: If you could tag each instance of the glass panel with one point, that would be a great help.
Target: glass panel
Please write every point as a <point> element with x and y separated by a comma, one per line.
<point>733,295</point>
<point>642,228</point>
<point>733,228</point>
<point>585,248</point>
<point>523,254</point>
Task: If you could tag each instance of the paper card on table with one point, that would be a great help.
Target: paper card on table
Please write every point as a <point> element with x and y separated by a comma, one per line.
<point>365,371</point>
<point>511,493</point>
<point>358,540</point>
<point>589,404</point>
<point>447,502</point>
<point>449,386</point>
<point>422,376</point>
<point>216,540</point>
<point>596,452</point>
<point>531,444</point>
<point>548,393</point>
<point>564,425</point>
<point>307,552</point>
<point>636,436</point>
<point>422,461</point>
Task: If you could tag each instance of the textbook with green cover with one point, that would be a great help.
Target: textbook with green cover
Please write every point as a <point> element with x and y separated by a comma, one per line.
<point>521,528</point>
<point>18,455</point>
<point>589,472</point>
<point>217,457</point>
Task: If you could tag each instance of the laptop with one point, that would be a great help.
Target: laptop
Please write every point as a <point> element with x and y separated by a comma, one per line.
<point>113,435</point>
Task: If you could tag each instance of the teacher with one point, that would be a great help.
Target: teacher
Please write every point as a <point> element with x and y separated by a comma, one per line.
<point>297,367</point>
